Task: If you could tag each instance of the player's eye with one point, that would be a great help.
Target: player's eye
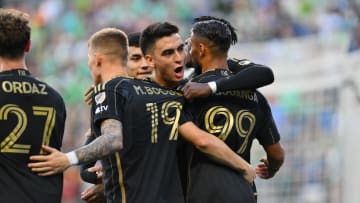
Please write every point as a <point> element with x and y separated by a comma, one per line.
<point>168,52</point>
<point>180,48</point>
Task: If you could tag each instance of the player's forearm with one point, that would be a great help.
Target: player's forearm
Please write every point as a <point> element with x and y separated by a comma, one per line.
<point>250,78</point>
<point>214,147</point>
<point>221,153</point>
<point>275,156</point>
<point>90,177</point>
<point>275,164</point>
<point>109,142</point>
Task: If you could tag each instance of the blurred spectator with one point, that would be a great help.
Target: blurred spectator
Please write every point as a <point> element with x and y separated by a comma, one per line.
<point>355,39</point>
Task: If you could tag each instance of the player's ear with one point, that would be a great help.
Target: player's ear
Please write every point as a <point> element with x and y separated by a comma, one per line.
<point>27,47</point>
<point>201,49</point>
<point>98,59</point>
<point>149,60</point>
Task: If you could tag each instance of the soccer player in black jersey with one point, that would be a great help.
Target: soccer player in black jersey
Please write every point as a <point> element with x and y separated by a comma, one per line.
<point>137,124</point>
<point>237,117</point>
<point>134,54</point>
<point>32,114</point>
<point>250,74</point>
<point>136,67</point>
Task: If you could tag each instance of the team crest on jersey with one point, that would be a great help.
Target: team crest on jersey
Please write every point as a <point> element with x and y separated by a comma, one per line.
<point>225,72</point>
<point>100,98</point>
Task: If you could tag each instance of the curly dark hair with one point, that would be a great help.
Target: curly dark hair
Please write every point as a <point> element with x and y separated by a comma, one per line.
<point>215,32</point>
<point>234,37</point>
<point>14,33</point>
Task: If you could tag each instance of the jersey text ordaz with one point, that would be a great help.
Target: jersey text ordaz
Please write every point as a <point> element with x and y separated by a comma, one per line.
<point>24,87</point>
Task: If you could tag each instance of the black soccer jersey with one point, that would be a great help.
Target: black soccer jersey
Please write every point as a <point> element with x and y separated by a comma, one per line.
<point>31,114</point>
<point>237,117</point>
<point>145,170</point>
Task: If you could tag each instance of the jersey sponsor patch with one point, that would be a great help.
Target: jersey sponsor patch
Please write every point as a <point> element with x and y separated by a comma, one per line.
<point>101,108</point>
<point>100,98</point>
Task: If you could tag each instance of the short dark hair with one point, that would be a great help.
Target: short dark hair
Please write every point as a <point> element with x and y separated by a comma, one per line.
<point>14,33</point>
<point>134,39</point>
<point>234,37</point>
<point>154,32</point>
<point>214,31</point>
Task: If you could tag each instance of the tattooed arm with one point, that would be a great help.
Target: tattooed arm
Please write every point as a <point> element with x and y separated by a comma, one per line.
<point>109,142</point>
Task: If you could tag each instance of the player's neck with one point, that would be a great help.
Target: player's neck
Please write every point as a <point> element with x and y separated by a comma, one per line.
<point>155,77</point>
<point>113,72</point>
<point>7,64</point>
<point>215,63</point>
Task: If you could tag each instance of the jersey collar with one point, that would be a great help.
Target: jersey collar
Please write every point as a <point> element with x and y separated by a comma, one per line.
<point>19,72</point>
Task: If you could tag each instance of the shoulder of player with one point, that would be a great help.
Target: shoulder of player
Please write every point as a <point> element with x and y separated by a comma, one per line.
<point>49,88</point>
<point>114,83</point>
<point>235,63</point>
<point>212,75</point>
<point>261,98</point>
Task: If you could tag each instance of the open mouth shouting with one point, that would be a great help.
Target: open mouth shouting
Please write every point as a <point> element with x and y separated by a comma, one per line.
<point>179,72</point>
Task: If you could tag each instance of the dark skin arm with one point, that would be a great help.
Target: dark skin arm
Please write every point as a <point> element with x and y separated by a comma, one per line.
<point>275,158</point>
<point>250,76</point>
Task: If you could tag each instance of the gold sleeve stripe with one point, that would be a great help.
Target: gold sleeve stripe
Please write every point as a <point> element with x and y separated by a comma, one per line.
<point>99,88</point>
<point>121,178</point>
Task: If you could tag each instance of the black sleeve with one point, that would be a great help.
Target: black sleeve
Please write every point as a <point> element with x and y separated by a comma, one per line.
<point>270,134</point>
<point>248,76</point>
<point>85,175</point>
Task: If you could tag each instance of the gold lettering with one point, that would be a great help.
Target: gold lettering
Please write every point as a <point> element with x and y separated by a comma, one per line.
<point>6,86</point>
<point>243,94</point>
<point>250,96</point>
<point>35,89</point>
<point>26,87</point>
<point>23,87</point>
<point>164,92</point>
<point>148,90</point>
<point>42,89</point>
<point>156,90</point>
<point>17,87</point>
<point>255,98</point>
<point>138,89</point>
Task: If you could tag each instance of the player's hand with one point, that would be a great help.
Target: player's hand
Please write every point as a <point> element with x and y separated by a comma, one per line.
<point>53,163</point>
<point>98,170</point>
<point>249,174</point>
<point>262,170</point>
<point>94,194</point>
<point>194,90</point>
<point>87,134</point>
<point>87,95</point>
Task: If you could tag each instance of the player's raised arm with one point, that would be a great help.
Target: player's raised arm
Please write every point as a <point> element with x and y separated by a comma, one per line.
<point>216,149</point>
<point>248,76</point>
<point>109,142</point>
